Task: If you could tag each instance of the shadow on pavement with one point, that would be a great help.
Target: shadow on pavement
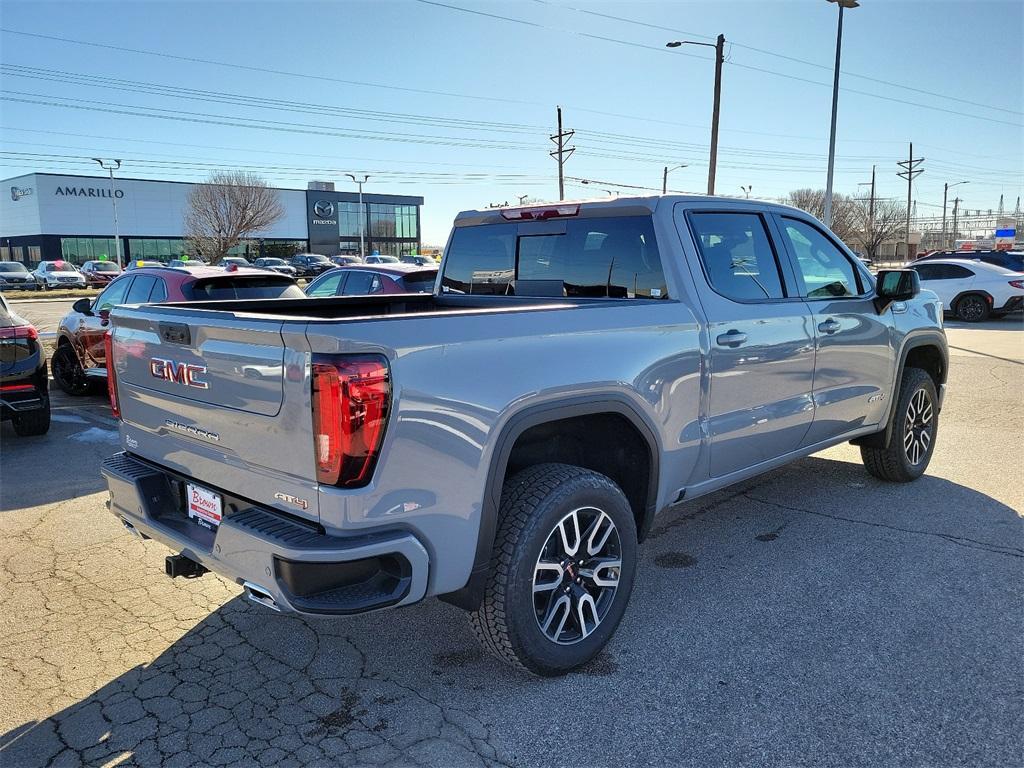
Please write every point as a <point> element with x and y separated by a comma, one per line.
<point>65,462</point>
<point>812,616</point>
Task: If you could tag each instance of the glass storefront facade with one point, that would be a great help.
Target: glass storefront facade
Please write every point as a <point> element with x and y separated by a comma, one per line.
<point>388,229</point>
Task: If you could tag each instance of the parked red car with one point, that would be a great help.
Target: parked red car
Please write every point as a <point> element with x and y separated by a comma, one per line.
<point>367,279</point>
<point>80,357</point>
<point>99,274</point>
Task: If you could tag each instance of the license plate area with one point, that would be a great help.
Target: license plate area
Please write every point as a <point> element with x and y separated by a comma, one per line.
<point>204,507</point>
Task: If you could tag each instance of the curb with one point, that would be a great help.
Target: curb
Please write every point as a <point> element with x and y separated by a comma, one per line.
<point>42,301</point>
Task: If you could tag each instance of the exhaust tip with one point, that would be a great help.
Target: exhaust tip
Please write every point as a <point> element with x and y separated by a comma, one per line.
<point>258,594</point>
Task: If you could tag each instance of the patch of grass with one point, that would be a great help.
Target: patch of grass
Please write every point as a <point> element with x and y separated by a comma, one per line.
<point>69,293</point>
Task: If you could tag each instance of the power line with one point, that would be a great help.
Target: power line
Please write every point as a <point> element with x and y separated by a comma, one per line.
<point>778,55</point>
<point>732,63</point>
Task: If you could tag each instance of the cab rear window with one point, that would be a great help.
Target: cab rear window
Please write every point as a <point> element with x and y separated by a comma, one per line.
<point>242,287</point>
<point>611,257</point>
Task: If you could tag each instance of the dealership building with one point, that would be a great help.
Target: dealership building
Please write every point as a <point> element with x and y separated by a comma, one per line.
<point>49,217</point>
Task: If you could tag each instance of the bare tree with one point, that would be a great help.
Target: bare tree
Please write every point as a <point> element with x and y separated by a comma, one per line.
<point>874,227</point>
<point>226,209</point>
<point>844,210</point>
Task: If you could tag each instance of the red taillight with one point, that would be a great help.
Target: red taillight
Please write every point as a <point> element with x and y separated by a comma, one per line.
<point>351,395</point>
<point>108,349</point>
<point>17,387</point>
<point>1017,284</point>
<point>554,212</point>
<point>19,332</point>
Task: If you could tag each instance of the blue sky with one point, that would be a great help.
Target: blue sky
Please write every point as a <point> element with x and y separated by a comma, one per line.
<point>457,106</point>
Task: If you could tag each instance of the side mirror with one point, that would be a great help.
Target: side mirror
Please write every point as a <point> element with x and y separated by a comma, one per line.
<point>82,306</point>
<point>895,285</point>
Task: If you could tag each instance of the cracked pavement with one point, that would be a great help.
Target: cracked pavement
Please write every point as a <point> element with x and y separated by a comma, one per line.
<point>810,616</point>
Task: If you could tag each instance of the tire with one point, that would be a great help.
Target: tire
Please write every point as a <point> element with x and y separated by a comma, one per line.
<point>31,423</point>
<point>538,508</point>
<point>67,371</point>
<point>972,308</point>
<point>905,458</point>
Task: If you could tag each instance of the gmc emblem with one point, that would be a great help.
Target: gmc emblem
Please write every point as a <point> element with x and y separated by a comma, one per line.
<point>180,373</point>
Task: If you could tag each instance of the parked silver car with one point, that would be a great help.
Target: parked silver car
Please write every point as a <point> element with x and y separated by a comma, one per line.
<point>58,274</point>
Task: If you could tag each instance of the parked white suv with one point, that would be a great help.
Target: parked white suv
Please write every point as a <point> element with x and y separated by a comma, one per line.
<point>58,274</point>
<point>972,289</point>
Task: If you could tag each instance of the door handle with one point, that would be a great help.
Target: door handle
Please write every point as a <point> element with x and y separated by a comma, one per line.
<point>732,338</point>
<point>830,326</point>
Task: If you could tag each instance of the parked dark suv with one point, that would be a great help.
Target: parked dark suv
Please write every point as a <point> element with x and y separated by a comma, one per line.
<point>310,264</point>
<point>24,398</point>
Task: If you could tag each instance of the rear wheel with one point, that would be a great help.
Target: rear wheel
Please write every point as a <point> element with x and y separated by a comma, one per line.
<point>561,572</point>
<point>67,371</point>
<point>972,308</point>
<point>912,440</point>
<point>29,423</point>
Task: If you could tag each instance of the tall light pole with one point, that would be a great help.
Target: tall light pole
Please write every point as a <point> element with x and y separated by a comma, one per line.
<point>362,212</point>
<point>664,176</point>
<point>843,5</point>
<point>719,47</point>
<point>746,190</point>
<point>112,166</point>
<point>945,192</point>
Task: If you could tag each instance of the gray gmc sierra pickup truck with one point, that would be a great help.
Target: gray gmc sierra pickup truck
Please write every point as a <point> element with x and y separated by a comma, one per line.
<point>505,442</point>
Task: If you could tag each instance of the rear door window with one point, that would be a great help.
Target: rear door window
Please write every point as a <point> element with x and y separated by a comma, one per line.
<point>362,283</point>
<point>159,292</point>
<point>737,255</point>
<point>142,286</point>
<point>607,257</point>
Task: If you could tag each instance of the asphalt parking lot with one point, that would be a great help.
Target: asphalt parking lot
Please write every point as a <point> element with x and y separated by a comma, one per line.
<point>812,616</point>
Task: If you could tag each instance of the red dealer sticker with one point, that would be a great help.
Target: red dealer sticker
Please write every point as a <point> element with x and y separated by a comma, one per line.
<point>203,505</point>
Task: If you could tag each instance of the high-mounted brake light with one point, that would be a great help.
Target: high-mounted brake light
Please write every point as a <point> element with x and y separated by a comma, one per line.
<point>351,397</point>
<point>1017,284</point>
<point>538,214</point>
<point>19,332</point>
<point>108,349</point>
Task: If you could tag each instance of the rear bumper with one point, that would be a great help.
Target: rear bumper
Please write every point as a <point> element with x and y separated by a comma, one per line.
<point>1013,304</point>
<point>299,568</point>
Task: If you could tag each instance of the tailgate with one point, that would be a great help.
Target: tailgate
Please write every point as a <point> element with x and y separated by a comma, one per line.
<point>221,398</point>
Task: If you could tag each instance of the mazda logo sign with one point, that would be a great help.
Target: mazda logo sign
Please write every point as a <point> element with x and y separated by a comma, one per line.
<point>323,209</point>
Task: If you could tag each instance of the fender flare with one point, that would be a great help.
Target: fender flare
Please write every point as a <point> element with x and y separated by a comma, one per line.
<point>471,595</point>
<point>929,338</point>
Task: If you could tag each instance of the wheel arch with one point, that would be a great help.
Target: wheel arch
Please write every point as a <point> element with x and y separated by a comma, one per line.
<point>542,415</point>
<point>928,351</point>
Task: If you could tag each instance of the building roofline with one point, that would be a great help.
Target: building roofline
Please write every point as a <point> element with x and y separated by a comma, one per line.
<point>367,196</point>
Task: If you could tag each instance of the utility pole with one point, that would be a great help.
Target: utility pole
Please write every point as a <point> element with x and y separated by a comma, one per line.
<point>562,153</point>
<point>719,47</point>
<point>114,165</point>
<point>719,59</point>
<point>910,172</point>
<point>956,210</point>
<point>362,213</point>
<point>945,191</point>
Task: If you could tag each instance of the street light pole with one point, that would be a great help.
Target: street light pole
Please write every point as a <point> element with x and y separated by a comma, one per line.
<point>945,191</point>
<point>956,210</point>
<point>664,177</point>
<point>746,190</point>
<point>719,47</point>
<point>843,5</point>
<point>113,166</point>
<point>362,213</point>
